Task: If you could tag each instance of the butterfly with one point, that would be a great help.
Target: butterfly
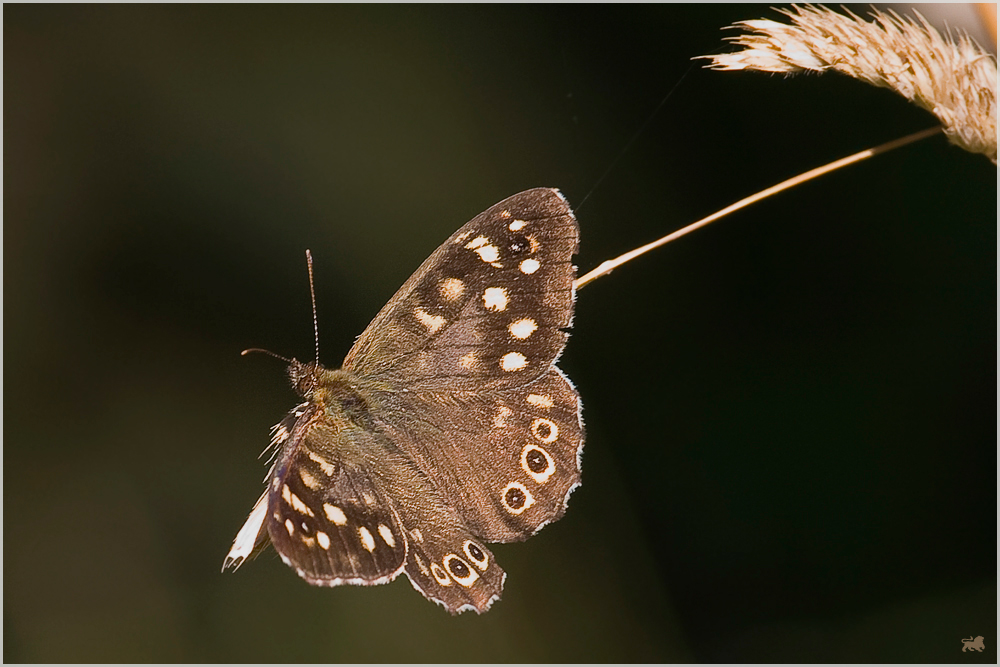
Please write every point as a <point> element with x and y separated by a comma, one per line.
<point>448,425</point>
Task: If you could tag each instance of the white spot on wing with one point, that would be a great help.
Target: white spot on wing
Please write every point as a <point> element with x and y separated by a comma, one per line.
<point>467,361</point>
<point>495,298</point>
<point>367,541</point>
<point>489,254</point>
<point>300,506</point>
<point>529,266</point>
<point>335,514</point>
<point>513,361</point>
<point>522,328</point>
<point>517,225</point>
<point>386,534</point>
<point>307,479</point>
<point>324,539</point>
<point>324,465</point>
<point>432,322</point>
<point>289,526</point>
<point>451,288</point>
<point>540,401</point>
<point>500,419</point>
<point>487,251</point>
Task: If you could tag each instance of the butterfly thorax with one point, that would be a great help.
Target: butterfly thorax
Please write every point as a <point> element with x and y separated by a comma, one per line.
<point>335,391</point>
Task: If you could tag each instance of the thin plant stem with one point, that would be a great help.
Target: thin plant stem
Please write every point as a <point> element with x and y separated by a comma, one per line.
<point>612,264</point>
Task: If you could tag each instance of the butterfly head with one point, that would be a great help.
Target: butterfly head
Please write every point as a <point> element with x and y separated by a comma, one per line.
<point>304,377</point>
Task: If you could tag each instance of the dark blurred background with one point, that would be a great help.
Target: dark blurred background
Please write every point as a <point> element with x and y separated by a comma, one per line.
<point>791,414</point>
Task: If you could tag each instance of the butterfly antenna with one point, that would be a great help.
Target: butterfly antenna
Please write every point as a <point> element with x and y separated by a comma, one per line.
<point>312,294</point>
<point>635,136</point>
<point>267,352</point>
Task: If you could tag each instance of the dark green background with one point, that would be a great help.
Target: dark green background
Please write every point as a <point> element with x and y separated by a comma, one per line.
<point>791,414</point>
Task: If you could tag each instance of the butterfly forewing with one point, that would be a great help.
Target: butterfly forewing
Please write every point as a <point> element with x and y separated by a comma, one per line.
<point>487,310</point>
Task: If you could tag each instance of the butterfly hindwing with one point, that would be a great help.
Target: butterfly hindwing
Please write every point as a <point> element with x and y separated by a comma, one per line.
<point>328,518</point>
<point>507,461</point>
<point>487,310</point>
<point>454,569</point>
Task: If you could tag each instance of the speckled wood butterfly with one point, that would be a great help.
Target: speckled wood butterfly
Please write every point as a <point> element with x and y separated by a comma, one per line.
<point>448,425</point>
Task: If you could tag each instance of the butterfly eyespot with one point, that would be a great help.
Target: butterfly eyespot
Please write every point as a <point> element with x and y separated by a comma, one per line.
<point>440,575</point>
<point>520,244</point>
<point>476,555</point>
<point>537,463</point>
<point>457,567</point>
<point>460,570</point>
<point>516,498</point>
<point>544,429</point>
